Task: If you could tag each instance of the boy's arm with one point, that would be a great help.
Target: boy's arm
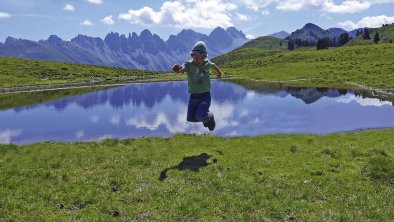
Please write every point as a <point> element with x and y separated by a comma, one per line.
<point>218,71</point>
<point>178,69</point>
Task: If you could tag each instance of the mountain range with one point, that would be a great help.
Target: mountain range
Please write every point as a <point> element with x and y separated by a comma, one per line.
<point>313,33</point>
<point>145,51</point>
<point>150,52</point>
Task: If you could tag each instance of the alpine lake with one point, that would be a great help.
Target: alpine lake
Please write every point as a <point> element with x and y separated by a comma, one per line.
<point>241,108</point>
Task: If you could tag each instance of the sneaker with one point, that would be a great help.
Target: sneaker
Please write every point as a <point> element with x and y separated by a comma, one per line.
<point>206,124</point>
<point>212,124</point>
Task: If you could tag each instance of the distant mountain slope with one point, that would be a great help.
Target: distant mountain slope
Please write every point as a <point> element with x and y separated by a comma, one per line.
<point>336,32</point>
<point>266,42</point>
<point>145,51</point>
<point>353,33</point>
<point>280,35</point>
<point>259,47</point>
<point>313,33</point>
<point>310,32</point>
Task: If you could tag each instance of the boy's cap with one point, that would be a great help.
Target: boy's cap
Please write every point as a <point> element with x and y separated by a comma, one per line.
<point>200,49</point>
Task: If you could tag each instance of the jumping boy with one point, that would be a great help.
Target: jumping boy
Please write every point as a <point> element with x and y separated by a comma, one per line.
<point>199,85</point>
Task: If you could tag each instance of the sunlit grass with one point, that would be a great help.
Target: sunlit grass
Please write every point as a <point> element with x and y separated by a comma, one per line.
<point>370,65</point>
<point>267,178</point>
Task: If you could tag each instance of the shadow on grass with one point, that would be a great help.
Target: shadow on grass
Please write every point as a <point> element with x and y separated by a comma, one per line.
<point>193,163</point>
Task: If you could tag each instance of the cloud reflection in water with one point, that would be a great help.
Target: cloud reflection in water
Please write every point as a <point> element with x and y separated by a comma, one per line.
<point>159,109</point>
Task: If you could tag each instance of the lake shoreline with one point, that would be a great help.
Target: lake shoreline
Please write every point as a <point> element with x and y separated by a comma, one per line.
<point>52,87</point>
<point>290,83</point>
<point>354,131</point>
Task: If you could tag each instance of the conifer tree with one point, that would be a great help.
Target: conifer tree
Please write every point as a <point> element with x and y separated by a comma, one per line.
<point>376,38</point>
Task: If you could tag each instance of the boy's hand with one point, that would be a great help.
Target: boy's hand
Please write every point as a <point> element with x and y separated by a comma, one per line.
<point>218,72</point>
<point>176,68</point>
<point>219,75</point>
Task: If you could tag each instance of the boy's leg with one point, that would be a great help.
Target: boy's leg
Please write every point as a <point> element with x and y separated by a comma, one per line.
<point>191,109</point>
<point>202,112</point>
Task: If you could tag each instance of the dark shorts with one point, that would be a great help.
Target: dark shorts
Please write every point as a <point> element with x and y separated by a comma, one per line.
<point>198,107</point>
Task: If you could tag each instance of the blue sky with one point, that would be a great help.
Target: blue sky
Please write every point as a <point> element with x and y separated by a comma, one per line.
<point>37,19</point>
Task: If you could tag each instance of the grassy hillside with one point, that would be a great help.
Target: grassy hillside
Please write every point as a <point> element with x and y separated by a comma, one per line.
<point>340,177</point>
<point>13,100</point>
<point>370,65</point>
<point>386,34</point>
<point>19,72</point>
<point>266,42</point>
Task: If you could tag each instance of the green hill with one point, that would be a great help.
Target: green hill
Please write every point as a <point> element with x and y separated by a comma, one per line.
<point>259,47</point>
<point>344,67</point>
<point>386,34</point>
<point>14,100</point>
<point>266,42</point>
<point>23,72</point>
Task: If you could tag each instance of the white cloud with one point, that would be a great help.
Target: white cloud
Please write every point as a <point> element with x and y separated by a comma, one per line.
<point>191,14</point>
<point>87,23</point>
<point>381,1</point>
<point>105,136</point>
<point>6,135</point>
<point>363,101</point>
<point>329,6</point>
<point>154,120</point>
<point>69,8</point>
<point>4,15</point>
<point>265,12</point>
<point>179,125</point>
<point>249,36</point>
<point>212,13</point>
<point>369,21</point>
<point>115,120</point>
<point>94,119</point>
<point>224,117</point>
<point>97,2</point>
<point>242,17</point>
<point>243,113</point>
<point>346,7</point>
<point>108,20</point>
<point>254,4</point>
<point>79,134</point>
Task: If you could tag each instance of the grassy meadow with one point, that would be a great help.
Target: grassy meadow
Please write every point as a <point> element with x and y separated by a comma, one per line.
<point>12,100</point>
<point>343,67</point>
<point>44,74</point>
<point>338,177</point>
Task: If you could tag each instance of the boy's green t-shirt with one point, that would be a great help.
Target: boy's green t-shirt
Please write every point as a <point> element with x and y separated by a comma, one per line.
<point>198,77</point>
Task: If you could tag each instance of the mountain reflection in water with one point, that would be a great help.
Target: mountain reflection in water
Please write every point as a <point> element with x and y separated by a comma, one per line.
<point>159,109</point>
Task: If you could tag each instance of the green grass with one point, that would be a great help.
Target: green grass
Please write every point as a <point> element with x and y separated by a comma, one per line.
<point>339,177</point>
<point>266,42</point>
<point>370,65</point>
<point>13,100</point>
<point>23,72</point>
<point>386,34</point>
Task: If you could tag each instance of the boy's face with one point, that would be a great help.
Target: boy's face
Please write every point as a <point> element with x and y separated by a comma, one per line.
<point>198,59</point>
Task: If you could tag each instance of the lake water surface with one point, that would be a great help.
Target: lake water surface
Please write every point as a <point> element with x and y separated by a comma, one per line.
<point>159,109</point>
